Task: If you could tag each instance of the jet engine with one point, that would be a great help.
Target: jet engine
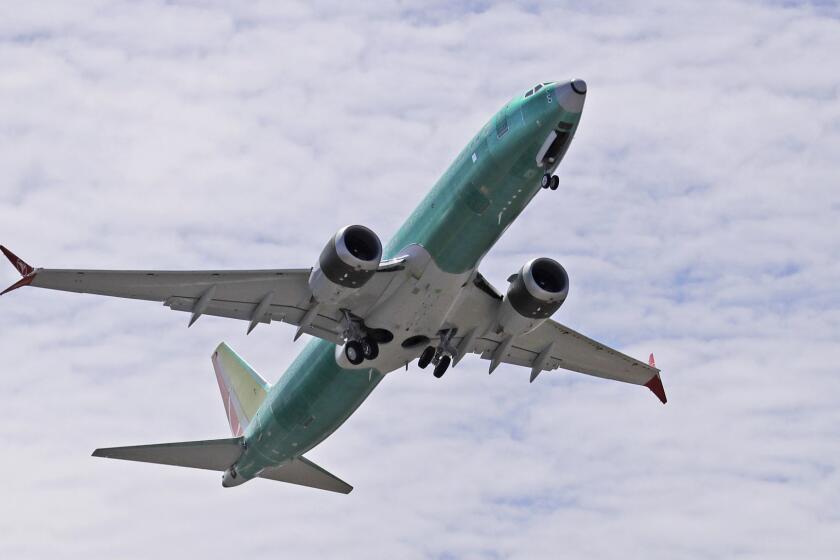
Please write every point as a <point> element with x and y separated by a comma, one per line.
<point>347,262</point>
<point>534,294</point>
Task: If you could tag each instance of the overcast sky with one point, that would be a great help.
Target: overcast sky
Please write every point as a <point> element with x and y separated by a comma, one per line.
<point>697,216</point>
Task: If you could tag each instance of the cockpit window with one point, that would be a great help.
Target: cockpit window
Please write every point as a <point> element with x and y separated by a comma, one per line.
<point>537,88</point>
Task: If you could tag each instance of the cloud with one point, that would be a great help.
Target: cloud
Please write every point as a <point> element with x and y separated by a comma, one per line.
<point>696,216</point>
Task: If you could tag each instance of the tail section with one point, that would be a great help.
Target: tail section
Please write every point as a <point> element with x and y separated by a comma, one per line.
<point>242,388</point>
<point>243,391</point>
<point>222,455</point>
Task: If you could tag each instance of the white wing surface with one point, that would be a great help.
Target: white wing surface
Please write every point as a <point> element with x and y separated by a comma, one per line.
<point>550,346</point>
<point>257,296</point>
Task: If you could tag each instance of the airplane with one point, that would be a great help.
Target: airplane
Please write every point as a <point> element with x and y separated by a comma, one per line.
<point>374,310</point>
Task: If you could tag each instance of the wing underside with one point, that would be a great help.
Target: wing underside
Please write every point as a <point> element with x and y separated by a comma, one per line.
<point>548,347</point>
<point>263,296</point>
<point>256,296</point>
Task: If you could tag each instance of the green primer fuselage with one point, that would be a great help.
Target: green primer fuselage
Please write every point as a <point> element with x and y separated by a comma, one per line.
<point>484,190</point>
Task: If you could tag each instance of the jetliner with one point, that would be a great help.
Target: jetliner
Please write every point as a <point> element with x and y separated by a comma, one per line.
<point>375,310</point>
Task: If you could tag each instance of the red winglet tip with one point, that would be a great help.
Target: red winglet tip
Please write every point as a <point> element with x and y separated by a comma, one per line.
<point>655,385</point>
<point>25,281</point>
<point>17,262</point>
<point>651,360</point>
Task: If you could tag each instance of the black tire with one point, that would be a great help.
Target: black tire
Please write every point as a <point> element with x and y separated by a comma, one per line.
<point>555,182</point>
<point>370,349</point>
<point>426,357</point>
<point>353,352</point>
<point>545,181</point>
<point>442,366</point>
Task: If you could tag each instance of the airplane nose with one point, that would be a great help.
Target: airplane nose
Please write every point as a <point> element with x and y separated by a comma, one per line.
<point>571,95</point>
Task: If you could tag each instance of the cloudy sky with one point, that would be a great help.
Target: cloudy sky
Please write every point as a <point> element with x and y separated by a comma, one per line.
<point>697,216</point>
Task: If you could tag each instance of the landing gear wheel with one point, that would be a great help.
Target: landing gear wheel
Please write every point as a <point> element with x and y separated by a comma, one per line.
<point>555,182</point>
<point>370,349</point>
<point>442,366</point>
<point>426,357</point>
<point>545,182</point>
<point>353,352</point>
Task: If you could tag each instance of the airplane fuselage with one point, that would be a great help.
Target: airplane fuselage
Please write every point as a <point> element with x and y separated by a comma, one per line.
<point>484,190</point>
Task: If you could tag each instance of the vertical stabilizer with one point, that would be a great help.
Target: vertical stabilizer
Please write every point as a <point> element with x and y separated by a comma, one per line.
<point>242,388</point>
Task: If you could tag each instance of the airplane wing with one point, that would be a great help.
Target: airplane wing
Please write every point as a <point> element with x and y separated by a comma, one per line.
<point>550,346</point>
<point>256,296</point>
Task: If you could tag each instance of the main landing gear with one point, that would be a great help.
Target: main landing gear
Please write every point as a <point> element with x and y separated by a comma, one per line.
<point>550,181</point>
<point>440,356</point>
<point>426,357</point>
<point>362,342</point>
<point>358,351</point>
<point>429,355</point>
<point>442,366</point>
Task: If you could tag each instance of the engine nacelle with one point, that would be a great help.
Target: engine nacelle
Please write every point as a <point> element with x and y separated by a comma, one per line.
<point>347,262</point>
<point>534,294</point>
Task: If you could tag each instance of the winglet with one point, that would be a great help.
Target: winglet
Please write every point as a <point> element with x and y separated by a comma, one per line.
<point>24,269</point>
<point>17,262</point>
<point>655,383</point>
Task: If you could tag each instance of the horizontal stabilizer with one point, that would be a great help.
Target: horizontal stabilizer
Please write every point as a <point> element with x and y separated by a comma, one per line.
<point>212,454</point>
<point>306,473</point>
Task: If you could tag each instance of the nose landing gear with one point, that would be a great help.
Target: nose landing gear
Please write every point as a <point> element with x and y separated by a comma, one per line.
<point>550,181</point>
